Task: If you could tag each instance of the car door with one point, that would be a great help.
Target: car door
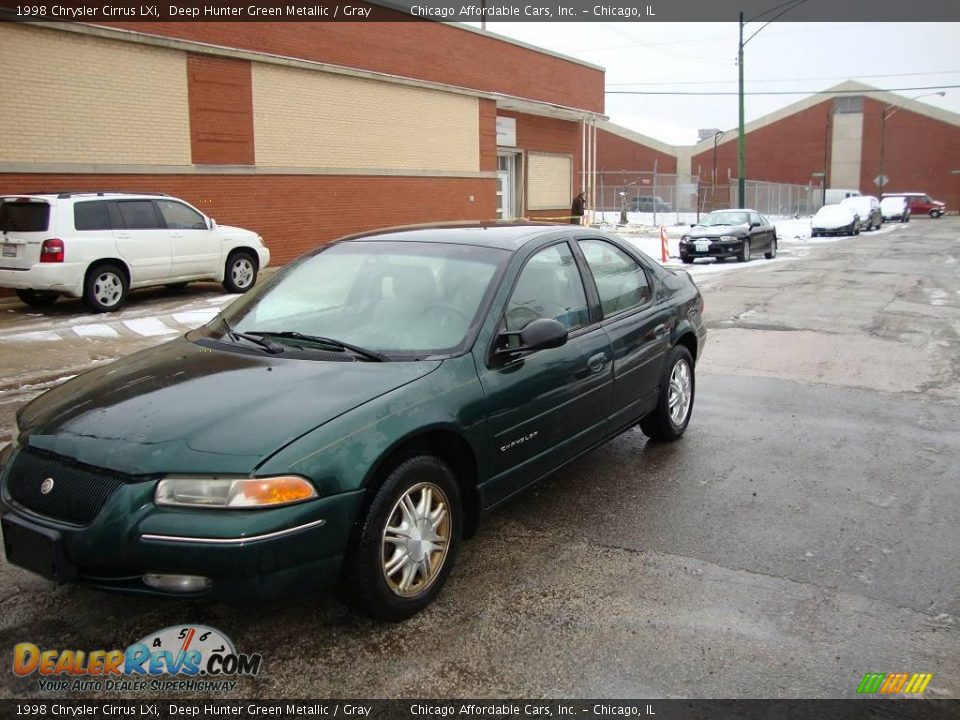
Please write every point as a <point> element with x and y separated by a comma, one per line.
<point>638,328</point>
<point>759,233</point>
<point>545,407</point>
<point>195,248</point>
<point>142,240</point>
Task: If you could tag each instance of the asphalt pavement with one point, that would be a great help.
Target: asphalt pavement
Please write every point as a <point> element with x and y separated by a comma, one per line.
<point>802,533</point>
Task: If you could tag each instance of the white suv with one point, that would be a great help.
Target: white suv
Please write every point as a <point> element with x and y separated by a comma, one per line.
<point>99,245</point>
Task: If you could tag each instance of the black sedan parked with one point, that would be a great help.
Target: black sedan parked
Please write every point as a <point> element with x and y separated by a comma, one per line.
<point>730,233</point>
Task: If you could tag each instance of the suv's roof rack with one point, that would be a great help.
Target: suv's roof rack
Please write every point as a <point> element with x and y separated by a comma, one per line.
<point>64,194</point>
<point>101,193</point>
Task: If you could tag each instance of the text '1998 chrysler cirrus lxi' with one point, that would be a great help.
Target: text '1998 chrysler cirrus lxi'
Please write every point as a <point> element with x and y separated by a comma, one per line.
<point>349,421</point>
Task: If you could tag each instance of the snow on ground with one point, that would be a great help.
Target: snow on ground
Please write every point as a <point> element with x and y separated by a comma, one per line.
<point>153,318</point>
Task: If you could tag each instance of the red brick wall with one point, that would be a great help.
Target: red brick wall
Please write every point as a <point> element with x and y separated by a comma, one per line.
<point>220,94</point>
<point>295,213</point>
<point>787,151</point>
<point>424,50</point>
<point>615,153</point>
<point>545,134</point>
<point>919,154</point>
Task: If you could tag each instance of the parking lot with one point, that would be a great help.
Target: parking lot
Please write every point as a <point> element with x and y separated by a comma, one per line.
<point>802,533</point>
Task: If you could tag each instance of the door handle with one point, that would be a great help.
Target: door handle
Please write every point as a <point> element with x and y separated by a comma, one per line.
<point>597,362</point>
<point>176,234</point>
<point>658,332</point>
<point>123,236</point>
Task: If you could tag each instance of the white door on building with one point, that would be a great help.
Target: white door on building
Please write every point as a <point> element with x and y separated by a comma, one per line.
<point>507,183</point>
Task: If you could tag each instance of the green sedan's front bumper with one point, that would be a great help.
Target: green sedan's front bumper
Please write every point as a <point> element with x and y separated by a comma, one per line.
<point>243,553</point>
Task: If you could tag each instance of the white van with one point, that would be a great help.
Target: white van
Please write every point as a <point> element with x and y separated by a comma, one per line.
<point>835,195</point>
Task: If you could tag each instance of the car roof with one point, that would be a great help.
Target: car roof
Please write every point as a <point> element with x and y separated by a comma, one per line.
<point>66,194</point>
<point>505,236</point>
<point>737,210</point>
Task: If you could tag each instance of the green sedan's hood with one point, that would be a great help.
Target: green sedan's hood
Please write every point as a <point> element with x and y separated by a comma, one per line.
<point>186,408</point>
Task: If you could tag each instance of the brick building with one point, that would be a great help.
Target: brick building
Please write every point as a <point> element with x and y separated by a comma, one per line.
<point>844,135</point>
<point>300,131</point>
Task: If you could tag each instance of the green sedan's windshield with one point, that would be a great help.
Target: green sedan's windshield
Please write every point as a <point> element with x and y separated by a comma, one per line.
<point>387,298</point>
<point>724,218</point>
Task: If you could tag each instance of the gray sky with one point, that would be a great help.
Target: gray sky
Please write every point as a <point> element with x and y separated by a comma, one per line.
<point>694,57</point>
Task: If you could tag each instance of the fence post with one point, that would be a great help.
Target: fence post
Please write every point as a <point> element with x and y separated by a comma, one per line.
<point>654,191</point>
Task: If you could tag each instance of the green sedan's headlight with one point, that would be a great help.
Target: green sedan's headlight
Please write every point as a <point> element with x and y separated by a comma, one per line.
<point>728,238</point>
<point>234,493</point>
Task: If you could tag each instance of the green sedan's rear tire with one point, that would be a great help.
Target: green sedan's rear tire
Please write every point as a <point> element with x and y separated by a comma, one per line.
<point>669,419</point>
<point>407,541</point>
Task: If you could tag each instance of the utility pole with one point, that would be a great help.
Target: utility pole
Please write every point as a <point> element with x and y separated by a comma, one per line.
<point>742,141</point>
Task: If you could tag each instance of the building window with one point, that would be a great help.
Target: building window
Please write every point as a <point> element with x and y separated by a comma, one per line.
<point>848,104</point>
<point>549,178</point>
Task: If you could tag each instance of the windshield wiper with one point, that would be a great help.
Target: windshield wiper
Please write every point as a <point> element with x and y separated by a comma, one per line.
<point>320,340</point>
<point>266,343</point>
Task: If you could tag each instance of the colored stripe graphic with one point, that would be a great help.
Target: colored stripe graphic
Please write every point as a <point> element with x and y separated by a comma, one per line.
<point>893,683</point>
<point>871,682</point>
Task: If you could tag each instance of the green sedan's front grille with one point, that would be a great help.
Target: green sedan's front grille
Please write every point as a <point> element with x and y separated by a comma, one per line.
<point>59,489</point>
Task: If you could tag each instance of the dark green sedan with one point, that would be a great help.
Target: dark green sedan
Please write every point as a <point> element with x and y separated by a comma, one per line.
<point>351,420</point>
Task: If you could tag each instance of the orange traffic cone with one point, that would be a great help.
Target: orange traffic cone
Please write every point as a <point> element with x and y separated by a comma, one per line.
<point>664,249</point>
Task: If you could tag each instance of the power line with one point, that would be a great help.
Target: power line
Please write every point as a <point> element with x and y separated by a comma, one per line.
<point>784,92</point>
<point>768,80</point>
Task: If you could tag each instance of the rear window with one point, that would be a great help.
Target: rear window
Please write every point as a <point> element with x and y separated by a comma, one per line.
<point>24,216</point>
<point>91,215</point>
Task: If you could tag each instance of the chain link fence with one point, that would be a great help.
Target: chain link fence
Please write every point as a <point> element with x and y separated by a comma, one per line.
<point>671,197</point>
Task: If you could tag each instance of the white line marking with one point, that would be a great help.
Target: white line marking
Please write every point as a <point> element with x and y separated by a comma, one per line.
<point>38,336</point>
<point>95,330</point>
<point>195,318</point>
<point>149,327</point>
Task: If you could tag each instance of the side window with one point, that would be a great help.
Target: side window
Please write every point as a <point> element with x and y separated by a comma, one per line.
<point>755,219</point>
<point>549,287</point>
<point>178,216</point>
<point>139,215</point>
<point>91,215</point>
<point>621,282</point>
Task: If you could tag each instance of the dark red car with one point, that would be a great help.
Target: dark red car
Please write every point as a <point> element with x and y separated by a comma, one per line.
<point>921,204</point>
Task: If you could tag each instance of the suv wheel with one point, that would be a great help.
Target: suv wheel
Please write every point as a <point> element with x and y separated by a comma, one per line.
<point>106,288</point>
<point>240,273</point>
<point>935,214</point>
<point>408,541</point>
<point>37,298</point>
<point>669,419</point>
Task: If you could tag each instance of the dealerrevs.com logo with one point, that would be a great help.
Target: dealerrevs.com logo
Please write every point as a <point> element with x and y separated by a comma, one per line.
<point>181,657</point>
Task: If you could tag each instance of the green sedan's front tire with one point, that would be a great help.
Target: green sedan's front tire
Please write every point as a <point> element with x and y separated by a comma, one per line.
<point>408,541</point>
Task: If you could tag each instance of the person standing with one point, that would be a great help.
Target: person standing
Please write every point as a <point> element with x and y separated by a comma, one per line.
<point>577,209</point>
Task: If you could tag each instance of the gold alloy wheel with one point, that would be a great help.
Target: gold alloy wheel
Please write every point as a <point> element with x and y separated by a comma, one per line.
<point>416,539</point>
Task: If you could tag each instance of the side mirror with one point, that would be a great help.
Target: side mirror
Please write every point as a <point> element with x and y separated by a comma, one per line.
<point>213,224</point>
<point>539,334</point>
<point>754,225</point>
